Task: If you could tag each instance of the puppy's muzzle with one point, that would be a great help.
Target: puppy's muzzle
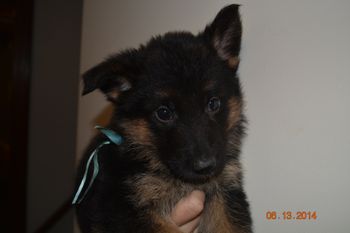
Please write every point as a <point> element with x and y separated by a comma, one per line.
<point>204,165</point>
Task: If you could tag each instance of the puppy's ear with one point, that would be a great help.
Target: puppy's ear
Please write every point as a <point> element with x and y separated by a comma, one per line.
<point>113,76</point>
<point>224,34</point>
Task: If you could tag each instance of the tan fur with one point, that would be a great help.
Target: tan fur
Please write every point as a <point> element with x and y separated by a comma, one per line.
<point>233,62</point>
<point>149,189</point>
<point>148,155</point>
<point>230,175</point>
<point>215,217</point>
<point>140,137</point>
<point>159,192</point>
<point>235,109</point>
<point>113,93</point>
<point>138,132</point>
<point>162,225</point>
<point>219,45</point>
<point>160,195</point>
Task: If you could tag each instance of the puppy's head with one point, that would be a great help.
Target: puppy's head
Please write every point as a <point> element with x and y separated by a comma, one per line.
<point>179,97</point>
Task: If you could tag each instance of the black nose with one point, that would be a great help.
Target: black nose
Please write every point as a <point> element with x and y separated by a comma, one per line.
<point>204,165</point>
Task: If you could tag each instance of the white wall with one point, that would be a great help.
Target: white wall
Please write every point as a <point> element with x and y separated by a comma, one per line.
<point>297,80</point>
<point>296,75</point>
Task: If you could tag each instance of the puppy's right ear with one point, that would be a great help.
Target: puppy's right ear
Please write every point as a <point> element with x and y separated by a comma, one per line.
<point>113,76</point>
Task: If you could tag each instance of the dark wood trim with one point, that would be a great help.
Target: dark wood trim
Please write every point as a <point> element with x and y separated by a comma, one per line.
<point>20,109</point>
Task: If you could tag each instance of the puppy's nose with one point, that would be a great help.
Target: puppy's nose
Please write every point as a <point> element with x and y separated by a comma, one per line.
<point>204,165</point>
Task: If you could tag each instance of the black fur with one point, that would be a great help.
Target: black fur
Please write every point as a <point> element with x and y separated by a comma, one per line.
<point>181,72</point>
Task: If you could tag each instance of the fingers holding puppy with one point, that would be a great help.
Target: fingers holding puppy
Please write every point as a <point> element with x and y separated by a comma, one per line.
<point>187,212</point>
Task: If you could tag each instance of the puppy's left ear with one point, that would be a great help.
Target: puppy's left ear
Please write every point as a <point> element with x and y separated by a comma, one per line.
<point>224,34</point>
<point>113,76</point>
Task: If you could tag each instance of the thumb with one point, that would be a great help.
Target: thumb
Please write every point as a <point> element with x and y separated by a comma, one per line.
<point>188,208</point>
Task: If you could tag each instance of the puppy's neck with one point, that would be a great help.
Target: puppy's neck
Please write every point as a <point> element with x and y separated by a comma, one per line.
<point>163,192</point>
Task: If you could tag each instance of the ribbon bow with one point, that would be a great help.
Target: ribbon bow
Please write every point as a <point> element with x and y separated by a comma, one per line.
<point>112,137</point>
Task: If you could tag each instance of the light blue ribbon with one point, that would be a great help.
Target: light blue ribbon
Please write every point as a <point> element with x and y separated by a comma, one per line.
<point>113,137</point>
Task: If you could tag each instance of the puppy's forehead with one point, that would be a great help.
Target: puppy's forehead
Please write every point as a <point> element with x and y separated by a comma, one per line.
<point>185,88</point>
<point>173,55</point>
<point>188,73</point>
<point>181,65</point>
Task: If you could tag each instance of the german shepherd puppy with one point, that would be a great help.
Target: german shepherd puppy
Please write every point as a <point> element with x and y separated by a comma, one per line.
<point>179,109</point>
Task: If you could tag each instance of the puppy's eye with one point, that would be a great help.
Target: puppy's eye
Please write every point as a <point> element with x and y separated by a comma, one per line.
<point>213,105</point>
<point>164,114</point>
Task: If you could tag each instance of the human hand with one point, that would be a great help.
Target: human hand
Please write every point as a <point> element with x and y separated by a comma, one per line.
<point>187,212</point>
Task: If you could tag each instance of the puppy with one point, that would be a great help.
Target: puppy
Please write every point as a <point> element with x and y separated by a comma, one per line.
<point>179,110</point>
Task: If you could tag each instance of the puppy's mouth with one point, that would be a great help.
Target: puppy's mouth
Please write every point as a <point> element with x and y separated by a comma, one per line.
<point>198,173</point>
<point>196,178</point>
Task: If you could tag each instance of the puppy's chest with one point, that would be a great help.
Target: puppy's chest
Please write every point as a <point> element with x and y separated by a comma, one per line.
<point>160,197</point>
<point>157,194</point>
<point>215,217</point>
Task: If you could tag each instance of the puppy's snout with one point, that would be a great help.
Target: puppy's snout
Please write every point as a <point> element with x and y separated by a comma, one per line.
<point>204,165</point>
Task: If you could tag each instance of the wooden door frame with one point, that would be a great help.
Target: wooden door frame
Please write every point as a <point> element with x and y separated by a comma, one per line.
<point>21,12</point>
